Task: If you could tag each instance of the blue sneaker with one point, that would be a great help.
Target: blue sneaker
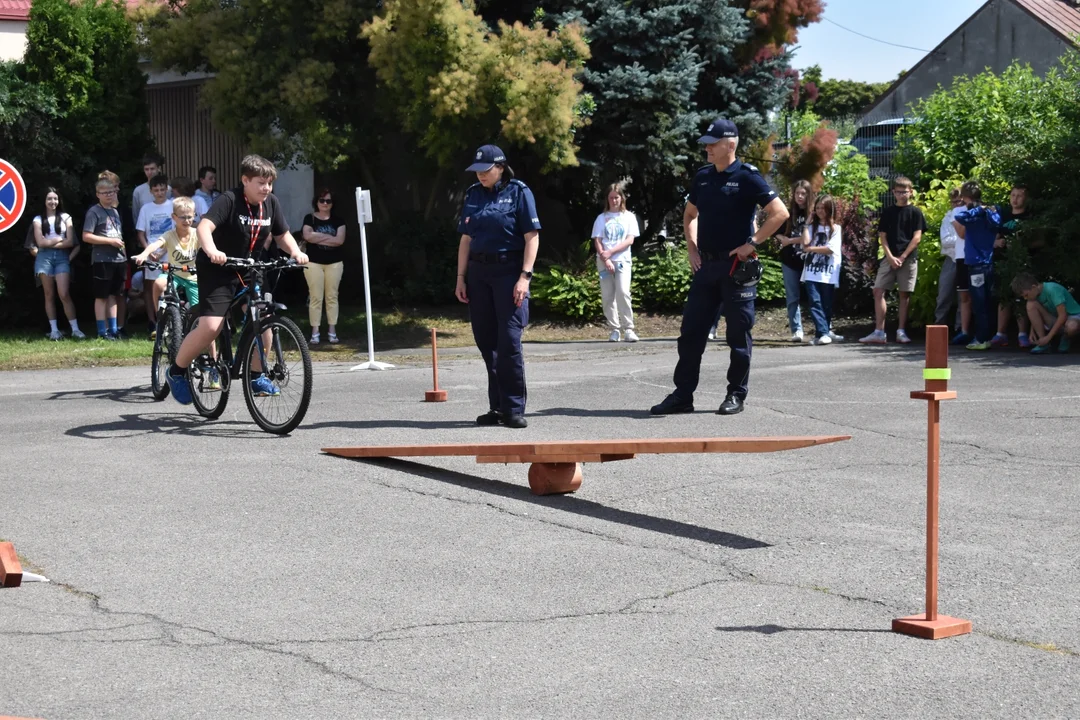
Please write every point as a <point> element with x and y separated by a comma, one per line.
<point>263,387</point>
<point>961,338</point>
<point>180,387</point>
<point>1040,350</point>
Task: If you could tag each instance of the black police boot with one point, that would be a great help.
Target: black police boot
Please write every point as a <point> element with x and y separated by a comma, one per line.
<point>732,404</point>
<point>515,421</point>
<point>672,405</point>
<point>491,417</point>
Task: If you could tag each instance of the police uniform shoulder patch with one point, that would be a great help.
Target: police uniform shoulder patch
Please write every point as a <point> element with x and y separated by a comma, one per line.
<point>517,182</point>
<point>751,168</point>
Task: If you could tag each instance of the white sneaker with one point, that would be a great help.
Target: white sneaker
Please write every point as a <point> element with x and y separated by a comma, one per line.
<point>822,340</point>
<point>614,336</point>
<point>314,339</point>
<point>797,337</point>
<point>631,336</point>
<point>835,337</point>
<point>55,335</point>
<point>712,333</point>
<point>875,338</point>
<point>901,337</point>
<point>78,334</point>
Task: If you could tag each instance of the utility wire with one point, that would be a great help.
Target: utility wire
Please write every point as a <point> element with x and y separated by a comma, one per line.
<point>883,42</point>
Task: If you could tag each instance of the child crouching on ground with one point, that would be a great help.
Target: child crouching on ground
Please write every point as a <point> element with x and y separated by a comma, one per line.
<point>1053,311</point>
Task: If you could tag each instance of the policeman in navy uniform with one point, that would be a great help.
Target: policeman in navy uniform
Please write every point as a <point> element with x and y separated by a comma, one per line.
<point>720,240</point>
<point>499,239</point>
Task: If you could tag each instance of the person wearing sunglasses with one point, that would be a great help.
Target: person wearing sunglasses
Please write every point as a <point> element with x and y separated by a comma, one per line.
<point>324,234</point>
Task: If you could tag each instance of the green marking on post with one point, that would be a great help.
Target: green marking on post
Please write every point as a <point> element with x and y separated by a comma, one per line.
<point>937,373</point>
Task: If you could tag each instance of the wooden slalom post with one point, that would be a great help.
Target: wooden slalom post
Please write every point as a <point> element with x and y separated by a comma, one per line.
<point>435,395</point>
<point>936,375</point>
<point>11,571</point>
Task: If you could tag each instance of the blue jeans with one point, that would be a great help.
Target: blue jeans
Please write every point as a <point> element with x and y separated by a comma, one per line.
<point>821,299</point>
<point>792,291</point>
<point>983,304</point>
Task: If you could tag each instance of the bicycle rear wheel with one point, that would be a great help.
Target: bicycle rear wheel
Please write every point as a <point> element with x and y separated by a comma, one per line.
<point>282,393</point>
<point>166,345</point>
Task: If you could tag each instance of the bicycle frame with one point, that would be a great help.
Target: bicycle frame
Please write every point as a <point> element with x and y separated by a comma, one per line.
<point>260,306</point>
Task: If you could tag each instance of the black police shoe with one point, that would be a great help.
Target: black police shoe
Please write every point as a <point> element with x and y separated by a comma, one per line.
<point>732,404</point>
<point>672,405</point>
<point>491,417</point>
<point>515,421</point>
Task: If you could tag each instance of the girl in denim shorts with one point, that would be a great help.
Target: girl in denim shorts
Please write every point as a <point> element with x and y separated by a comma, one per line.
<point>53,249</point>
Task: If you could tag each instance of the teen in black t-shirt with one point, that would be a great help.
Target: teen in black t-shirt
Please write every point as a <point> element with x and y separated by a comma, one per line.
<point>238,222</point>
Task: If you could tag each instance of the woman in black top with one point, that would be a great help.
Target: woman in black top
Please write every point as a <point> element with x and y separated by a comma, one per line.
<point>791,259</point>
<point>324,234</point>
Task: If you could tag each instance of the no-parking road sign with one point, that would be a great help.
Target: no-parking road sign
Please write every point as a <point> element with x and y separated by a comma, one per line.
<point>12,195</point>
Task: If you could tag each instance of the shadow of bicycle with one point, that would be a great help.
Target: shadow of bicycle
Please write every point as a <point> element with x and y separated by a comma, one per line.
<point>136,425</point>
<point>136,395</point>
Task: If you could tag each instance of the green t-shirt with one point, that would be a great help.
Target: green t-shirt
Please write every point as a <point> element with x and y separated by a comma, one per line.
<point>1053,295</point>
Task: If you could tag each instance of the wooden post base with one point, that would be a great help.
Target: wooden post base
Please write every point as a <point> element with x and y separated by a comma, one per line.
<point>10,567</point>
<point>435,396</point>
<point>554,478</point>
<point>943,627</point>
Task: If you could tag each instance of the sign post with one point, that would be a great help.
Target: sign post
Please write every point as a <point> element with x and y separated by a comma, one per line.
<point>12,195</point>
<point>363,215</point>
<point>933,626</point>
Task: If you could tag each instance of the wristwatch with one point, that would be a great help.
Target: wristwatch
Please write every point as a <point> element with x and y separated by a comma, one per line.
<point>527,274</point>
<point>754,243</point>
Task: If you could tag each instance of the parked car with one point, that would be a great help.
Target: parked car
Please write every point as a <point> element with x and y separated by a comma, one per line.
<point>878,142</point>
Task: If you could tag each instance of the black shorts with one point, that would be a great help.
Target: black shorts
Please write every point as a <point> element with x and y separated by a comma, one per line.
<point>217,288</point>
<point>108,278</point>
<point>963,276</point>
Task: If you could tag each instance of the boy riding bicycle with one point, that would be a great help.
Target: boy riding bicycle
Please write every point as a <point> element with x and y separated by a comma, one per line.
<point>181,246</point>
<point>239,221</point>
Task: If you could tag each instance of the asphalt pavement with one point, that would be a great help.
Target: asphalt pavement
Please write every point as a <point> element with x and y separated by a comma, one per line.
<point>209,570</point>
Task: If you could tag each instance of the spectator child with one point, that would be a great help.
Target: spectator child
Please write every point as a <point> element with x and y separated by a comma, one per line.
<point>155,219</point>
<point>613,232</point>
<point>952,254</point>
<point>207,191</point>
<point>53,249</point>
<point>821,271</point>
<point>1053,311</point>
<point>900,231</point>
<point>108,260</point>
<point>152,165</point>
<point>127,224</point>
<point>978,225</point>
<point>792,260</point>
<point>324,233</point>
<point>1013,217</point>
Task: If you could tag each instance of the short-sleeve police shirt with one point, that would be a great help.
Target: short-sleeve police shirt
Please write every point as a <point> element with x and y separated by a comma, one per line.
<point>234,218</point>
<point>496,220</point>
<point>727,201</point>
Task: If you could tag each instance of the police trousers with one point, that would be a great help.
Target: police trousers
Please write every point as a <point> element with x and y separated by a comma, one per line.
<point>497,325</point>
<point>712,290</point>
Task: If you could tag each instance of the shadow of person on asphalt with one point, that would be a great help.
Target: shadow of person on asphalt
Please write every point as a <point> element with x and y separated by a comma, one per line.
<point>168,424</point>
<point>774,629</point>
<point>582,412</point>
<point>137,395</point>
<point>574,505</point>
<point>381,424</point>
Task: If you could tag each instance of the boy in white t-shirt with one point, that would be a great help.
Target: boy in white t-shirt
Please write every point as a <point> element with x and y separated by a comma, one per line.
<point>613,233</point>
<point>155,219</point>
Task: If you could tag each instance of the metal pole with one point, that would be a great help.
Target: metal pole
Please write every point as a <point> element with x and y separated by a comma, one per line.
<point>363,219</point>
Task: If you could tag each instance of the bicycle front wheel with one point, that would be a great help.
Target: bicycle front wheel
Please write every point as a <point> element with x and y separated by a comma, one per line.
<point>166,345</point>
<point>277,375</point>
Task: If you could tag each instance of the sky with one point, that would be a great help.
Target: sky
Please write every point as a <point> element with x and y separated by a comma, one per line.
<point>845,56</point>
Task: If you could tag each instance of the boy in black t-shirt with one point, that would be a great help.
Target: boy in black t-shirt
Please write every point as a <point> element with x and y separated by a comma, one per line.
<point>239,221</point>
<point>1013,217</point>
<point>900,231</point>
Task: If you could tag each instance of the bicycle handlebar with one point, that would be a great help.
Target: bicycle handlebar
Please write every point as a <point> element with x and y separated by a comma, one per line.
<point>164,267</point>
<point>251,263</point>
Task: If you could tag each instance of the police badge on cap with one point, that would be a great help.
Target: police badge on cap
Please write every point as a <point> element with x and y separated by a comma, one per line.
<point>487,157</point>
<point>718,130</point>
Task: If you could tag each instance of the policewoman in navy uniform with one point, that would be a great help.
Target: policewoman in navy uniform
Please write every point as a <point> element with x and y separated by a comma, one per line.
<point>499,239</point>
<point>721,243</point>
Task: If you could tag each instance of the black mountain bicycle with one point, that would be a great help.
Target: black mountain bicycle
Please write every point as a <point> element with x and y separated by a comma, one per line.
<point>171,314</point>
<point>271,358</point>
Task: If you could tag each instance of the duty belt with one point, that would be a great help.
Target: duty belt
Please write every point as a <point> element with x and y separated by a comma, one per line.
<point>506,256</point>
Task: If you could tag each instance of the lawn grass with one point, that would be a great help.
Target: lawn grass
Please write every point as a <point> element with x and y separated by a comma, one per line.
<point>395,330</point>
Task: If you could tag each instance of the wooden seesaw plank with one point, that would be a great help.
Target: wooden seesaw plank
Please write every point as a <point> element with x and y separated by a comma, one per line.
<point>564,450</point>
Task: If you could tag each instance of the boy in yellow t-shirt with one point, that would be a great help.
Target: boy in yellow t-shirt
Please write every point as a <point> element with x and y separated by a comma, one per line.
<point>181,245</point>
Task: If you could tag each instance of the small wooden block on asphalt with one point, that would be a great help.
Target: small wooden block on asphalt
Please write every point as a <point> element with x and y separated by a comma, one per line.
<point>10,568</point>
<point>943,627</point>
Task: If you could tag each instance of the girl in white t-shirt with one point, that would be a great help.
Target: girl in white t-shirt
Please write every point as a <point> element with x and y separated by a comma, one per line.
<point>821,270</point>
<point>54,248</point>
<point>613,233</point>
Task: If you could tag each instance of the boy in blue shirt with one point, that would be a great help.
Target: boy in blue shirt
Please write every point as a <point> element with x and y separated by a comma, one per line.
<point>979,225</point>
<point>1053,312</point>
